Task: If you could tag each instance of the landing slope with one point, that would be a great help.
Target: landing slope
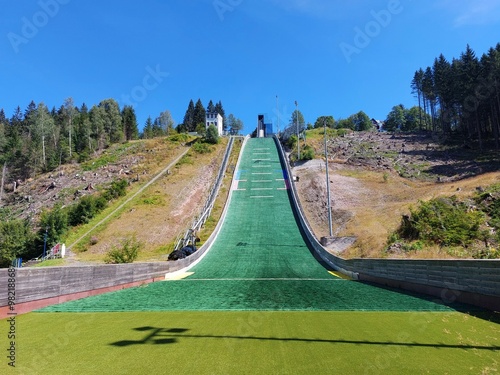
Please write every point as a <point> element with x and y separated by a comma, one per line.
<point>259,261</point>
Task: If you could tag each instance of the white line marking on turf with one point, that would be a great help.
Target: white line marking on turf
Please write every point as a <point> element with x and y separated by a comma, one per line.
<point>262,181</point>
<point>261,189</point>
<point>262,173</point>
<point>267,279</point>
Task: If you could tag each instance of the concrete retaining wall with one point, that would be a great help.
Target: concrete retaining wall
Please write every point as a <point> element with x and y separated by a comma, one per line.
<point>470,281</point>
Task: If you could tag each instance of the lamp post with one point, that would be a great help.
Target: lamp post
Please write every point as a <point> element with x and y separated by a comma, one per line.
<point>328,186</point>
<point>298,137</point>
<point>278,113</point>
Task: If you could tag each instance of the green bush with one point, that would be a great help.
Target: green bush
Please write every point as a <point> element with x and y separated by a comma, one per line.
<point>182,137</point>
<point>442,221</point>
<point>117,189</point>
<point>292,142</point>
<point>186,159</point>
<point>127,253</point>
<point>86,209</point>
<point>212,135</point>
<point>54,223</point>
<point>202,148</point>
<point>307,153</point>
<point>16,241</point>
<point>343,132</point>
<point>489,202</point>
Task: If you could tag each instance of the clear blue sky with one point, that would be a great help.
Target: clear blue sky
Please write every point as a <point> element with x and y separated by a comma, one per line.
<point>161,53</point>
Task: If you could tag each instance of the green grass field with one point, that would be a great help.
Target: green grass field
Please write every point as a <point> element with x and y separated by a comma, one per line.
<point>254,342</point>
<point>258,303</point>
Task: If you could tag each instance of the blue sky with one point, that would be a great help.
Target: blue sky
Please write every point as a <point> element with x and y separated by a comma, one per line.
<point>332,57</point>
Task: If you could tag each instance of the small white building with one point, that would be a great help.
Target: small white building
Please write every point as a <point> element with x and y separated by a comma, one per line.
<point>213,118</point>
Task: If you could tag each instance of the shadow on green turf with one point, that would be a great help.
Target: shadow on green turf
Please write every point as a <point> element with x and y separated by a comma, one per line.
<point>162,336</point>
<point>472,310</point>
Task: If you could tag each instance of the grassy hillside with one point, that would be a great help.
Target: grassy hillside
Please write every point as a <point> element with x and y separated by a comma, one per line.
<point>152,216</point>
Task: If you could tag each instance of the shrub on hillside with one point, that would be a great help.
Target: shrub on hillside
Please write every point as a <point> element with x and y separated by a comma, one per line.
<point>202,148</point>
<point>118,188</point>
<point>54,223</point>
<point>181,137</point>
<point>88,207</point>
<point>442,221</point>
<point>307,153</point>
<point>16,241</point>
<point>126,253</point>
<point>212,135</point>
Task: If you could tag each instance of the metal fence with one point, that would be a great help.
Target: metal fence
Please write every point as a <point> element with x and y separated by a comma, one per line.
<point>188,237</point>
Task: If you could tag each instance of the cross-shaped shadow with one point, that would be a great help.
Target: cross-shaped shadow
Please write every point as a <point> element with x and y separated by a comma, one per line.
<point>155,336</point>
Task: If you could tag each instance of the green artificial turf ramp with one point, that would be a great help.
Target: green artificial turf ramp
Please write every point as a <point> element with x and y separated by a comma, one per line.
<point>259,261</point>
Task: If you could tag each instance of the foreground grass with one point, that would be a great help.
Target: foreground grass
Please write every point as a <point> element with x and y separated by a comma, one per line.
<point>254,343</point>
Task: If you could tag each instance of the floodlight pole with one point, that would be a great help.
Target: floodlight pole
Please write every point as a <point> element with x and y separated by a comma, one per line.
<point>278,112</point>
<point>328,186</point>
<point>298,136</point>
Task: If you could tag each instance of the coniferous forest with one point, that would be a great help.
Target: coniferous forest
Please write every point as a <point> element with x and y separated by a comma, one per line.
<point>461,96</point>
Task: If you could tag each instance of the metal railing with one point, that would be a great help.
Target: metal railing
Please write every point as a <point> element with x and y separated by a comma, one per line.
<point>188,237</point>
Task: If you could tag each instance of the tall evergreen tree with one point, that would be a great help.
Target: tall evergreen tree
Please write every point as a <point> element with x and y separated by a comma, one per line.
<point>199,115</point>
<point>220,110</point>
<point>188,123</point>
<point>148,129</point>
<point>129,121</point>
<point>469,71</point>
<point>29,120</point>
<point>83,132</point>
<point>157,129</point>
<point>211,107</point>
<point>416,85</point>
<point>442,83</point>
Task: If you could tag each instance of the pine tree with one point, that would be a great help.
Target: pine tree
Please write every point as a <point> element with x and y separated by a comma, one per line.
<point>220,110</point>
<point>188,123</point>
<point>199,115</point>
<point>469,71</point>
<point>430,94</point>
<point>157,129</point>
<point>148,129</point>
<point>211,107</point>
<point>83,133</point>
<point>416,86</point>
<point>129,121</point>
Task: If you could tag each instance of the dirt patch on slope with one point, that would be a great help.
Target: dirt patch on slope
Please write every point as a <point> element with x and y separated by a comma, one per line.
<point>372,187</point>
